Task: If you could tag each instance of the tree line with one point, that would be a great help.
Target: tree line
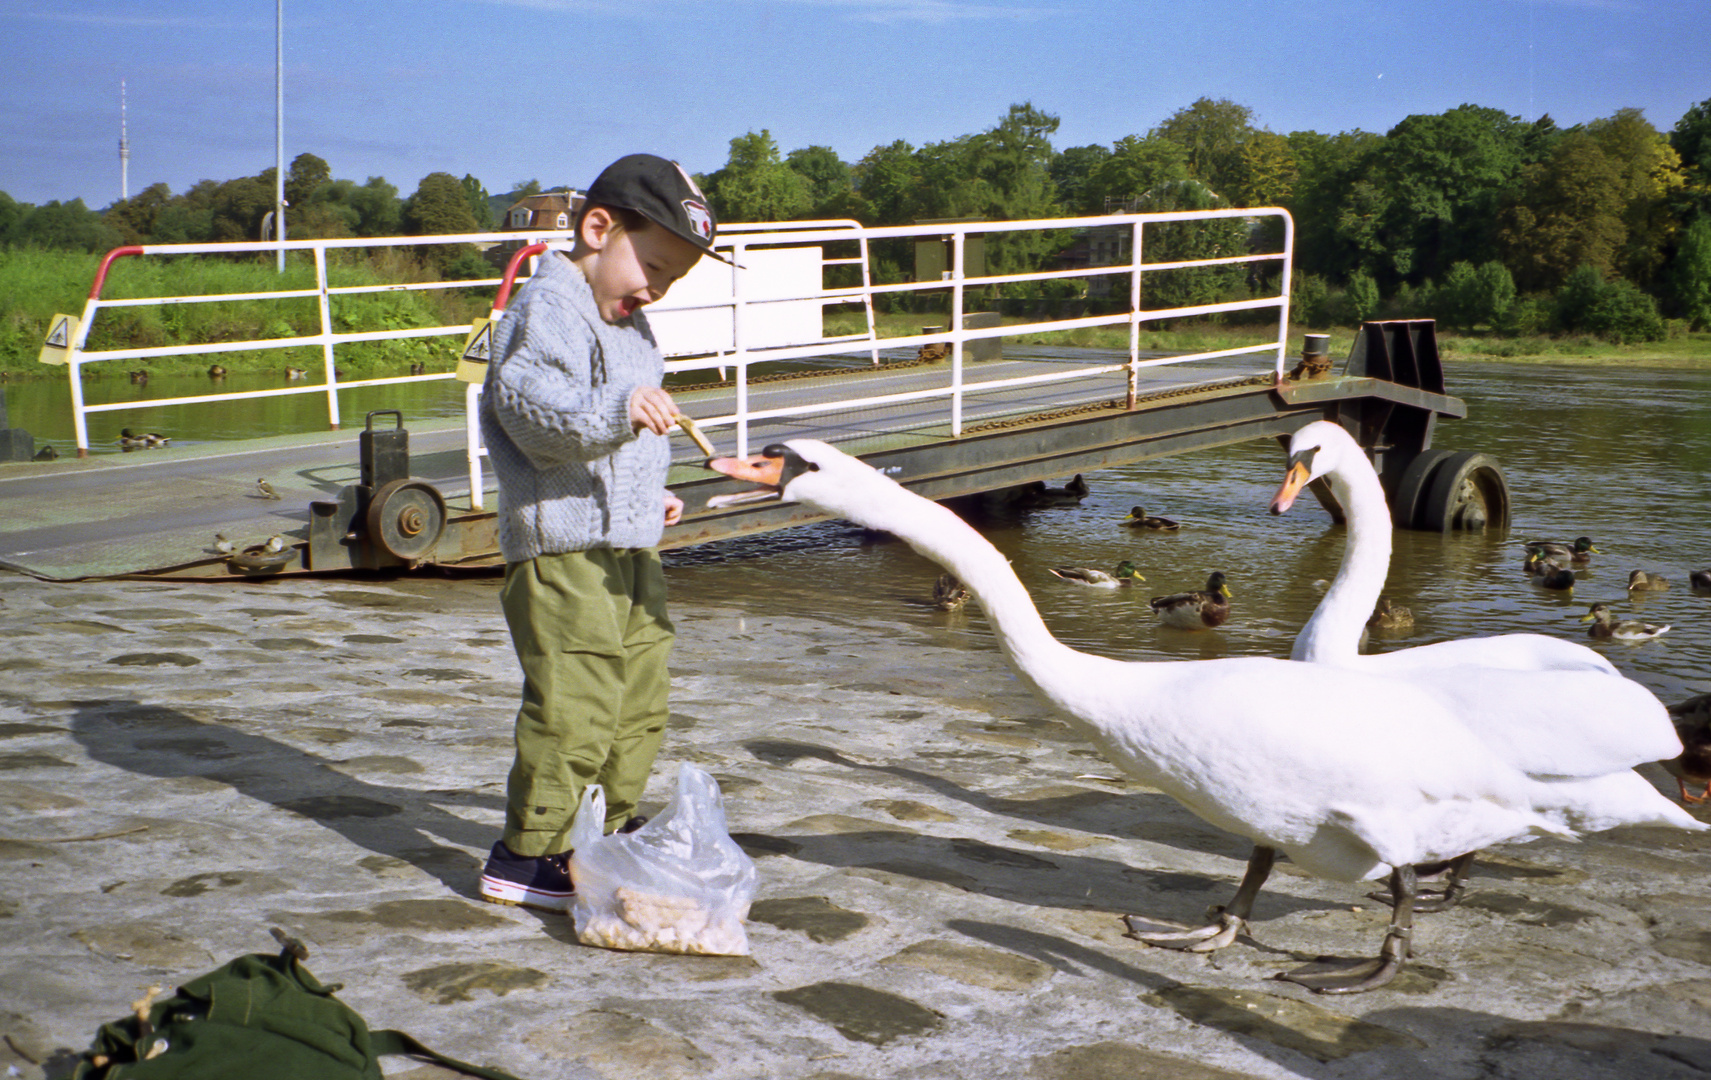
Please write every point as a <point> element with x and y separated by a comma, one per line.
<point>1473,216</point>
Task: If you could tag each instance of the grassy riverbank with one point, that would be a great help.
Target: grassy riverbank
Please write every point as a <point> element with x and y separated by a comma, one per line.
<point>36,285</point>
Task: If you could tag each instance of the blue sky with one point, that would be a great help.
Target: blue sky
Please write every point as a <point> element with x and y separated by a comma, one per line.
<point>512,90</point>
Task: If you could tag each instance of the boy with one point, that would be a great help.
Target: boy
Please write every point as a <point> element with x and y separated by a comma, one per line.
<point>575,423</point>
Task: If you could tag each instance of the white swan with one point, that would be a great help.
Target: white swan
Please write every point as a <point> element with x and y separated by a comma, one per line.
<point>1332,635</point>
<point>1553,709</point>
<point>1327,766</point>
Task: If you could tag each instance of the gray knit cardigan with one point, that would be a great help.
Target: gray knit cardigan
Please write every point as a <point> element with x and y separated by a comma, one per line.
<point>555,416</point>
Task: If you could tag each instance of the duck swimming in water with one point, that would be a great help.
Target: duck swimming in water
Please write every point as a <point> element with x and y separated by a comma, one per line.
<point>1140,519</point>
<point>1201,609</point>
<point>1325,765</point>
<point>1578,552</point>
<point>1605,626</point>
<point>1124,575</point>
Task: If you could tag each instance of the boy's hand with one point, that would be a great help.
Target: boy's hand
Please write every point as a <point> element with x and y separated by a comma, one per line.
<point>673,508</point>
<point>652,408</point>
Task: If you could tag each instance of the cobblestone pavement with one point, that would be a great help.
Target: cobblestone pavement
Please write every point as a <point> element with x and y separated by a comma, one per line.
<point>184,765</point>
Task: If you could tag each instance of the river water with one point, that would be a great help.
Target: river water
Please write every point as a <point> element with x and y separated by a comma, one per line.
<point>1618,453</point>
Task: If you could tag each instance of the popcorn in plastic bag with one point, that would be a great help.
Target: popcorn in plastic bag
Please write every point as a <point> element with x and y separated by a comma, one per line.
<point>678,884</point>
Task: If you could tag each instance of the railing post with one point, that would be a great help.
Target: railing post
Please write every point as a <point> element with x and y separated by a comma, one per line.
<point>1134,318</point>
<point>1283,308</point>
<point>958,237</point>
<point>326,312</point>
<point>739,347</point>
<point>472,441</point>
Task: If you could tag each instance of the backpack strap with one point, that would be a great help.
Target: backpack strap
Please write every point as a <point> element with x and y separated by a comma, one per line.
<point>389,1041</point>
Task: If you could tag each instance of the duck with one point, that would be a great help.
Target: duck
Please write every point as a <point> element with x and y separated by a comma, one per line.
<point>418,368</point>
<point>216,371</point>
<point>140,377</point>
<point>1122,576</point>
<point>1548,574</point>
<point>1640,581</point>
<point>265,489</point>
<point>1605,626</point>
<point>1700,582</point>
<point>1202,609</point>
<point>1071,494</point>
<point>1389,616</point>
<point>1577,552</point>
<point>1692,720</point>
<point>222,545</point>
<point>949,594</point>
<point>46,453</point>
<point>1554,709</point>
<point>1327,766</point>
<point>149,439</point>
<point>294,373</point>
<point>1140,519</point>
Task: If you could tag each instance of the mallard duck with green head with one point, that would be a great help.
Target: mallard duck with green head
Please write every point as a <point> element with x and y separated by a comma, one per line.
<point>1201,609</point>
<point>1124,575</point>
<point>1576,552</point>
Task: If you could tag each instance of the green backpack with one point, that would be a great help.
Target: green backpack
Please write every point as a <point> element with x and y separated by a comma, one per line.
<point>261,1017</point>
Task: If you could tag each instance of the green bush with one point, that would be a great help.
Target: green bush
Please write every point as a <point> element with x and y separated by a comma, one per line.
<point>1617,310</point>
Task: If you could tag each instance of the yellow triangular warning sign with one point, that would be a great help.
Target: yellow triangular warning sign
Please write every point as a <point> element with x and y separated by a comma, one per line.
<point>477,351</point>
<point>62,333</point>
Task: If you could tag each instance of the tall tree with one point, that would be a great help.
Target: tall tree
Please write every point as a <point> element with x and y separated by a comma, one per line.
<point>1328,168</point>
<point>1071,170</point>
<point>889,179</point>
<point>438,207</point>
<point>1213,132</point>
<point>307,173</point>
<point>1134,167</point>
<point>1651,178</point>
<point>480,206</point>
<point>1565,214</point>
<point>830,179</point>
<point>756,184</point>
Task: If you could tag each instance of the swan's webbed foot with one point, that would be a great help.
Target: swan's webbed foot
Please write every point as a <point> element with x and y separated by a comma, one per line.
<point>1340,977</point>
<point>1343,977</point>
<point>1222,923</point>
<point>1216,934</point>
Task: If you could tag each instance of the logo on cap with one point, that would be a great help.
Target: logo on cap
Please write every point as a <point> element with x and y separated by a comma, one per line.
<point>699,219</point>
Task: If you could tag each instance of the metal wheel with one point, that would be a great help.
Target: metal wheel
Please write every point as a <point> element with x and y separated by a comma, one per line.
<point>1411,488</point>
<point>406,518</point>
<point>1468,492</point>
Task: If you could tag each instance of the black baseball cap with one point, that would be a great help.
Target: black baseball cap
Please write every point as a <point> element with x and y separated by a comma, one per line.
<point>661,191</point>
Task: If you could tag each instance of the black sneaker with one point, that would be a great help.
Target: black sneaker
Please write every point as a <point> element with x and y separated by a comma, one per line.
<point>541,883</point>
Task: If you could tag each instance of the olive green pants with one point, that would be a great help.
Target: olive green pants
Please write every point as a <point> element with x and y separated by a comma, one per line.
<point>592,636</point>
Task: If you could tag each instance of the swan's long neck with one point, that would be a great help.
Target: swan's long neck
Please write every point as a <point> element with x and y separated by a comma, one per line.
<point>1056,672</point>
<point>1333,634</point>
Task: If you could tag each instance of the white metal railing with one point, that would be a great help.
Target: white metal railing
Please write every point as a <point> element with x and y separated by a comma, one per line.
<point>742,240</point>
<point>748,342</point>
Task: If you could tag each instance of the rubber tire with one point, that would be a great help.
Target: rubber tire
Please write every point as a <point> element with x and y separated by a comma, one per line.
<point>1468,492</point>
<point>1411,489</point>
<point>386,532</point>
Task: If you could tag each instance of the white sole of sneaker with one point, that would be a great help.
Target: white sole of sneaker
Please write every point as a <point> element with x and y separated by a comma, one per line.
<point>510,893</point>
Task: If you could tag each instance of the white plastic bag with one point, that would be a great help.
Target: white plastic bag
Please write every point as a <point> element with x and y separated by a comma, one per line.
<point>679,884</point>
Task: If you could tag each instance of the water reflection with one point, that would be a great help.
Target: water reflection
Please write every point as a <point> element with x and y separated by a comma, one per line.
<point>1620,454</point>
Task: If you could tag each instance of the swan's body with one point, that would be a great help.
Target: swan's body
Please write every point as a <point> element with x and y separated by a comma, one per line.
<point>1605,626</point>
<point>1554,709</point>
<point>1202,609</point>
<point>1348,773</point>
<point>1124,575</point>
